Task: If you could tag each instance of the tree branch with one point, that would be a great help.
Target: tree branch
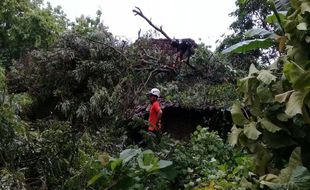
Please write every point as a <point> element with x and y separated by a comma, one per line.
<point>138,11</point>
<point>191,66</point>
<point>107,45</point>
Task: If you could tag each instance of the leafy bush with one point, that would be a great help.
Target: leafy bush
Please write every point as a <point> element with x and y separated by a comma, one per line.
<point>206,160</point>
<point>40,154</point>
<point>13,137</point>
<point>133,169</point>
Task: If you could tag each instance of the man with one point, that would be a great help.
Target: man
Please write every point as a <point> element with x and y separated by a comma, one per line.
<point>155,111</point>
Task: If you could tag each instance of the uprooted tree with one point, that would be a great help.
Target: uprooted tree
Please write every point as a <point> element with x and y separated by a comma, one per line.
<point>184,48</point>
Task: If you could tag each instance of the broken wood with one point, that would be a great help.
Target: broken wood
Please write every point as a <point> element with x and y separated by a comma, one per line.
<point>138,11</point>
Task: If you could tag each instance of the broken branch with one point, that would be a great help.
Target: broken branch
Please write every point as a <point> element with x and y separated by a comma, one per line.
<point>138,11</point>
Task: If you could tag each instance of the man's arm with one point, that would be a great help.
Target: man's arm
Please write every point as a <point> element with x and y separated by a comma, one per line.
<point>159,114</point>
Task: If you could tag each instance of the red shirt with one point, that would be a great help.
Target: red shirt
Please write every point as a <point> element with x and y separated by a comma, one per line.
<point>154,110</point>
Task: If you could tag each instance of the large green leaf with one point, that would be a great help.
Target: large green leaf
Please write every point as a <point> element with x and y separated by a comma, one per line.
<point>258,32</point>
<point>115,163</point>
<point>302,26</point>
<point>252,70</point>
<point>148,161</point>
<point>278,139</point>
<point>300,178</point>
<point>248,45</point>
<point>272,19</point>
<point>302,82</point>
<point>164,163</point>
<point>233,136</point>
<point>284,96</point>
<point>264,93</point>
<point>294,176</point>
<point>244,84</point>
<point>169,172</point>
<point>295,104</point>
<point>292,72</point>
<point>295,160</point>
<point>95,178</point>
<point>262,157</point>
<point>305,7</point>
<point>251,132</point>
<point>237,115</point>
<point>269,126</point>
<point>128,154</point>
<point>273,185</point>
<point>266,77</point>
<point>298,56</point>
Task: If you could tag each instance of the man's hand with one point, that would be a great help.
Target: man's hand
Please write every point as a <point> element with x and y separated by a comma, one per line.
<point>158,124</point>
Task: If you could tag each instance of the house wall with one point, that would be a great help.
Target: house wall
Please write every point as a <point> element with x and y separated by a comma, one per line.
<point>181,122</point>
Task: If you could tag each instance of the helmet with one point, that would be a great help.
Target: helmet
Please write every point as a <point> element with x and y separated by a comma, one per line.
<point>155,92</point>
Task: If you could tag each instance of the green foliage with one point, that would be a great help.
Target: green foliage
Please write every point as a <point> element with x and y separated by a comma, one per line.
<point>250,16</point>
<point>39,154</point>
<point>200,94</point>
<point>268,37</point>
<point>83,83</point>
<point>133,169</point>
<point>206,160</point>
<point>13,138</point>
<point>25,25</point>
<point>87,25</point>
<point>249,45</point>
<point>294,176</point>
<point>274,114</point>
<point>78,77</point>
<point>209,67</point>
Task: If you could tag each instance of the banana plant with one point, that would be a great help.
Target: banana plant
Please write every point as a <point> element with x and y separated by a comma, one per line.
<point>264,38</point>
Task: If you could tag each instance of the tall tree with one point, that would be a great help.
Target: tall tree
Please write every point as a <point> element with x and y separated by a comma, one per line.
<point>26,25</point>
<point>249,15</point>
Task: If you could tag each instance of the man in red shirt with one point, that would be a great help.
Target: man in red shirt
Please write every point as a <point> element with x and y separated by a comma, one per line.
<point>155,111</point>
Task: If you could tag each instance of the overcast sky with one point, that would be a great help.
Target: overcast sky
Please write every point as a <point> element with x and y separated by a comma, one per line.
<point>204,19</point>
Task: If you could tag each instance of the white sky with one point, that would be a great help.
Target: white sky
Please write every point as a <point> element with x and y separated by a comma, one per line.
<point>197,19</point>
